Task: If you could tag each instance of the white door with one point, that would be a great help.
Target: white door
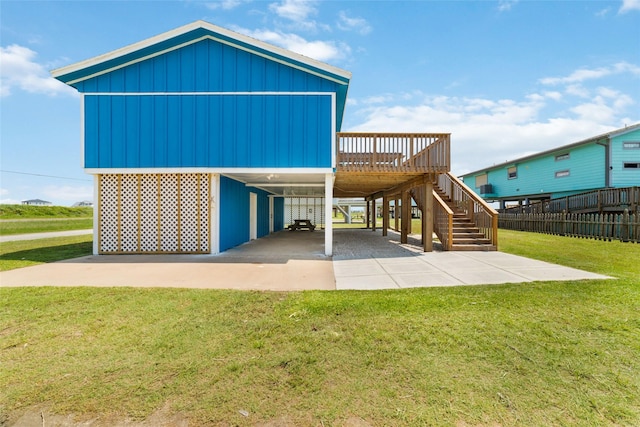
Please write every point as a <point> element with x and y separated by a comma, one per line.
<point>253,216</point>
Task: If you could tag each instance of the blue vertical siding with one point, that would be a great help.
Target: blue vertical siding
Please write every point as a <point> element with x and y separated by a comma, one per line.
<point>621,177</point>
<point>537,176</point>
<point>210,66</point>
<point>234,213</point>
<point>278,213</point>
<point>207,131</point>
<point>207,66</point>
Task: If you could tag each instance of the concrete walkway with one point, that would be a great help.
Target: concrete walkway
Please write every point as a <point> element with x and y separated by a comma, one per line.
<point>292,261</point>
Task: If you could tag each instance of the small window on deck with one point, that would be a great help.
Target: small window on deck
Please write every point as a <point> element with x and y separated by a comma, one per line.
<point>512,172</point>
<point>562,174</point>
<point>481,180</point>
<point>564,156</point>
<point>631,145</point>
<point>631,165</point>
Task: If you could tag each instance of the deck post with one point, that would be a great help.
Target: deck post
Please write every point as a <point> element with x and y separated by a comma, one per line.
<point>427,218</point>
<point>406,216</point>
<point>328,211</point>
<point>396,210</point>
<point>373,214</point>
<point>385,215</point>
<point>366,213</point>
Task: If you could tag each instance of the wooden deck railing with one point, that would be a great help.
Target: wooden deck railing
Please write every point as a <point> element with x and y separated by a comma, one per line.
<point>483,215</point>
<point>393,152</point>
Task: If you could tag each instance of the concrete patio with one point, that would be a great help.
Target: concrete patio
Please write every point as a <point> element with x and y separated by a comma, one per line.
<point>295,260</point>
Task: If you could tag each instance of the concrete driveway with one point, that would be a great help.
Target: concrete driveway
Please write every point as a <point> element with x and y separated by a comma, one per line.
<point>293,261</point>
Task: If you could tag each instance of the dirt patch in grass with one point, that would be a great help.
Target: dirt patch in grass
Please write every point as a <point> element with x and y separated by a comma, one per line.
<point>40,416</point>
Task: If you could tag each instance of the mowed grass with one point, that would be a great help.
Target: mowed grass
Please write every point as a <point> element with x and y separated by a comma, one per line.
<point>11,227</point>
<point>25,253</point>
<point>23,219</point>
<point>545,353</point>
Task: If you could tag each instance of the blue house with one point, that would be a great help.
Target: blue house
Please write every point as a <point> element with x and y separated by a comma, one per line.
<point>201,139</point>
<point>191,136</point>
<point>610,160</point>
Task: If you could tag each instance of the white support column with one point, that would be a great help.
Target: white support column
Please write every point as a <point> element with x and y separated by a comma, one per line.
<point>214,225</point>
<point>328,209</point>
<point>270,214</point>
<point>96,214</point>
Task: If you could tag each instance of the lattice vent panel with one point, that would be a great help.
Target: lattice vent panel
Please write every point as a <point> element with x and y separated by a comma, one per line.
<point>149,213</point>
<point>129,213</point>
<point>108,215</point>
<point>169,213</point>
<point>204,211</point>
<point>154,213</point>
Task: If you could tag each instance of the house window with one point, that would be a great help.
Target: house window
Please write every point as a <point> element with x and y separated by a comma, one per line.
<point>562,174</point>
<point>631,165</point>
<point>512,172</point>
<point>564,156</point>
<point>481,180</point>
<point>631,145</point>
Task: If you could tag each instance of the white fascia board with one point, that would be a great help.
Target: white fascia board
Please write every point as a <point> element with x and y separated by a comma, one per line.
<point>282,171</point>
<point>81,130</point>
<point>191,27</point>
<point>208,93</point>
<point>333,129</point>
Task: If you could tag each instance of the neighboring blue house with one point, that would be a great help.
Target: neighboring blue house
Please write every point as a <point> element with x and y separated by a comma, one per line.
<point>604,161</point>
<point>195,136</point>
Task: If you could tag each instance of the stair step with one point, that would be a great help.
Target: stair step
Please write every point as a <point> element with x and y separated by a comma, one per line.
<point>470,241</point>
<point>467,230</point>
<point>466,247</point>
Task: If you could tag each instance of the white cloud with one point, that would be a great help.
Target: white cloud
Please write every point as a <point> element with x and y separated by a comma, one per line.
<point>295,10</point>
<point>3,191</point>
<point>629,5</point>
<point>347,23</point>
<point>506,5</point>
<point>18,69</point>
<point>577,90</point>
<point>68,193</point>
<point>225,4</point>
<point>486,131</point>
<point>321,50</point>
<point>584,74</point>
<point>10,202</point>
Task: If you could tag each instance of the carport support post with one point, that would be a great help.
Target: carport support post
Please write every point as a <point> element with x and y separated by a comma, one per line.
<point>396,213</point>
<point>427,218</point>
<point>373,214</point>
<point>385,215</point>
<point>328,211</point>
<point>366,213</point>
<point>406,216</point>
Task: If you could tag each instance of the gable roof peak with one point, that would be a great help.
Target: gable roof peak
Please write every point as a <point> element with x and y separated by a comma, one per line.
<point>180,36</point>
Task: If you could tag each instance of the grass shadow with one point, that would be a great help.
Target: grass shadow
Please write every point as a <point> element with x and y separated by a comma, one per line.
<point>20,257</point>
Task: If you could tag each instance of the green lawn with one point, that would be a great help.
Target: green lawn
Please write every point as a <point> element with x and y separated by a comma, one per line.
<point>24,253</point>
<point>546,353</point>
<point>23,219</point>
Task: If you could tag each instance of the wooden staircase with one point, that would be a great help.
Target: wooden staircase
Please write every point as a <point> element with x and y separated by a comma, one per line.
<point>466,235</point>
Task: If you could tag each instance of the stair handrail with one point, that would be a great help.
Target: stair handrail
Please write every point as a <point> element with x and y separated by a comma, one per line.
<point>442,213</point>
<point>479,211</point>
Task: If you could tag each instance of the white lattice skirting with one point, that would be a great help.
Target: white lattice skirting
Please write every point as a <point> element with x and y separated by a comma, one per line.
<point>154,213</point>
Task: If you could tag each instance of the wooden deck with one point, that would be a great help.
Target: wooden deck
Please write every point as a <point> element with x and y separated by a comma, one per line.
<point>405,166</point>
<point>370,163</point>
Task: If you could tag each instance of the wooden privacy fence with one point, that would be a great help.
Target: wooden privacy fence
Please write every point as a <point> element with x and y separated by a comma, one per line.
<point>624,227</point>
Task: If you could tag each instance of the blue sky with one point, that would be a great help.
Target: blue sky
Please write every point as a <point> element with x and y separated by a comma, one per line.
<point>506,78</point>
